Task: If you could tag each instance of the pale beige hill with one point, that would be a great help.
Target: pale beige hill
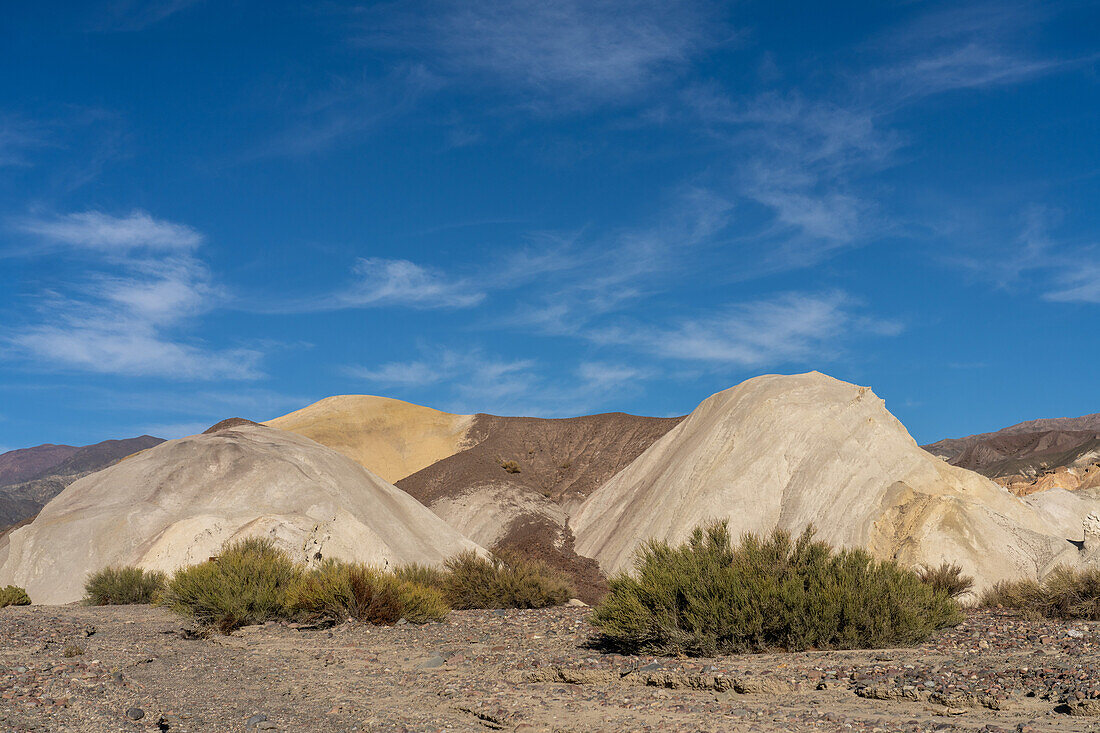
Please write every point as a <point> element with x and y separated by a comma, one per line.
<point>176,504</point>
<point>788,451</point>
<point>394,439</point>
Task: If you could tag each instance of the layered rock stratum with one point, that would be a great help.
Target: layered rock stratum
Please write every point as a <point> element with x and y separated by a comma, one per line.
<point>790,451</point>
<point>518,483</point>
<point>177,503</point>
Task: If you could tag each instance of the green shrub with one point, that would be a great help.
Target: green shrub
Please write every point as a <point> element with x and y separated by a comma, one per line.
<point>249,583</point>
<point>503,581</point>
<point>1017,594</point>
<point>13,595</point>
<point>425,575</point>
<point>1065,593</point>
<point>338,590</point>
<point>947,578</point>
<point>707,597</point>
<point>123,586</point>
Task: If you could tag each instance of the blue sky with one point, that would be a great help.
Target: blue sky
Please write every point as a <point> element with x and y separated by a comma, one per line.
<point>236,208</point>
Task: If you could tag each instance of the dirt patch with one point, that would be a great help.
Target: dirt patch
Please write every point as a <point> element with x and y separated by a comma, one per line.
<point>524,671</point>
<point>535,462</point>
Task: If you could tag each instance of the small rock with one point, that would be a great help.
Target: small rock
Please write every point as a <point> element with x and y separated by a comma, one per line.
<point>576,602</point>
<point>1074,633</point>
<point>255,720</point>
<point>433,662</point>
<point>135,713</point>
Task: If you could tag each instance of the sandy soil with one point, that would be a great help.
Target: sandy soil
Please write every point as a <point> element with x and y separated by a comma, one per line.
<point>523,671</point>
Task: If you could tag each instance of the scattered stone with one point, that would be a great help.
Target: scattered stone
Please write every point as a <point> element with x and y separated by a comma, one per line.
<point>135,713</point>
<point>433,662</point>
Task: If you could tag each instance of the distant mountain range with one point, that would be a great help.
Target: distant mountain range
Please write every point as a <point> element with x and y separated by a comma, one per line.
<point>30,477</point>
<point>1032,456</point>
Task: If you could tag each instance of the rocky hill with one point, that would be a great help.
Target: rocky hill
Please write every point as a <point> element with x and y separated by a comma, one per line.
<point>390,437</point>
<point>790,451</point>
<point>522,478</point>
<point>175,504</point>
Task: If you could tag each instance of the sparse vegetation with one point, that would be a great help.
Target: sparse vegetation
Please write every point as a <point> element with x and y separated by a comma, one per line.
<point>708,596</point>
<point>252,581</point>
<point>13,595</point>
<point>425,575</point>
<point>947,578</point>
<point>510,466</point>
<point>249,583</point>
<point>504,580</point>
<point>1065,593</point>
<point>72,650</point>
<point>120,586</point>
<point>338,590</point>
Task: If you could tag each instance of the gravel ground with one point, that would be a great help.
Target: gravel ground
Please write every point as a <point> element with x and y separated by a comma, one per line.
<point>72,668</point>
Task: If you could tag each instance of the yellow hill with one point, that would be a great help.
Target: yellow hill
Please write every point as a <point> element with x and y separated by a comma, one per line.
<point>389,437</point>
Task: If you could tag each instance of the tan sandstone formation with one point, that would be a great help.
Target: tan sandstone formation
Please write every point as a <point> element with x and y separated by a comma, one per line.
<point>788,451</point>
<point>175,504</point>
<point>391,438</point>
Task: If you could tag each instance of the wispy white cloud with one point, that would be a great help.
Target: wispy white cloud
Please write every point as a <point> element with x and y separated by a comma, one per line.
<point>385,282</point>
<point>965,46</point>
<point>583,277</point>
<point>123,316</point>
<point>970,66</point>
<point>96,230</point>
<point>1078,284</point>
<point>573,53</point>
<point>1035,261</point>
<point>473,381</point>
<point>800,160</point>
<point>17,136</point>
<point>793,327</point>
<point>347,109</point>
<point>136,15</point>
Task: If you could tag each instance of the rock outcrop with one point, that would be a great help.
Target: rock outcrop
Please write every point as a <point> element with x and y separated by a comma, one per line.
<point>790,451</point>
<point>522,477</point>
<point>175,505</point>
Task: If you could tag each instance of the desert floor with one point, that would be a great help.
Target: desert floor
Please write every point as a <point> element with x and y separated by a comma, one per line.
<point>527,671</point>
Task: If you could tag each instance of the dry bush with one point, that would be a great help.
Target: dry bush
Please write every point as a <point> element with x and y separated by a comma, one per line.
<point>425,575</point>
<point>1065,593</point>
<point>510,466</point>
<point>947,578</point>
<point>123,586</point>
<point>1017,594</point>
<point>504,580</point>
<point>338,590</point>
<point>248,583</point>
<point>708,596</point>
<point>72,650</point>
<point>13,595</point>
